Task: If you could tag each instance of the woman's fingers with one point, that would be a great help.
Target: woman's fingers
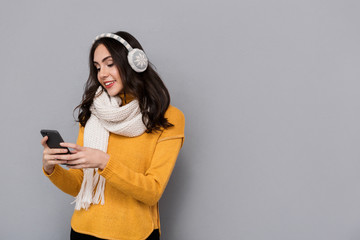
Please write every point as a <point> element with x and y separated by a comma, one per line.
<point>50,157</point>
<point>76,162</point>
<point>68,157</point>
<point>76,166</point>
<point>53,159</point>
<point>53,162</point>
<point>56,150</point>
<point>72,145</point>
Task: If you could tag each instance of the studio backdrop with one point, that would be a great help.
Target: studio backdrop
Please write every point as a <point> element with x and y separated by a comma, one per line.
<point>270,94</point>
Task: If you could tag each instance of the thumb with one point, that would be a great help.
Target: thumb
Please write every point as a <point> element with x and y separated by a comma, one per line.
<point>43,142</point>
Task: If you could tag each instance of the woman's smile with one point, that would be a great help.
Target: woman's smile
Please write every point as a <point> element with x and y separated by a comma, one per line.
<point>109,84</point>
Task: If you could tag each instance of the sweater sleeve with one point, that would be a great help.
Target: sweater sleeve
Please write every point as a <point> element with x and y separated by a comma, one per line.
<point>149,187</point>
<point>69,181</point>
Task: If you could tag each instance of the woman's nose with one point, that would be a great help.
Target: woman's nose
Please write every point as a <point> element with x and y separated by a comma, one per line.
<point>104,72</point>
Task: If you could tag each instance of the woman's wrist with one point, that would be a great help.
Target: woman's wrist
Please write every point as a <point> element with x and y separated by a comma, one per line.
<point>105,161</point>
<point>49,170</point>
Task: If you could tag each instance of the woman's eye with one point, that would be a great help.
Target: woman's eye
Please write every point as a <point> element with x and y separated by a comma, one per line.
<point>109,65</point>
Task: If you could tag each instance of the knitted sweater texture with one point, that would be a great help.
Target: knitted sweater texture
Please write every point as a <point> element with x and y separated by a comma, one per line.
<point>136,175</point>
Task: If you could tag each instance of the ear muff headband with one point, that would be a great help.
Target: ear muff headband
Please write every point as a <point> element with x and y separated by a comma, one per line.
<point>136,57</point>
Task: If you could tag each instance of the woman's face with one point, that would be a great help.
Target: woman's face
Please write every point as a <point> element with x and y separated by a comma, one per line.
<point>107,73</point>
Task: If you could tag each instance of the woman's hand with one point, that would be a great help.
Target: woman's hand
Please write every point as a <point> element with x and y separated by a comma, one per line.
<point>84,157</point>
<point>50,158</point>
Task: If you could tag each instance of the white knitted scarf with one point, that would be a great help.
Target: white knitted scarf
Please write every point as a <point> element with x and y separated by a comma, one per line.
<point>106,116</point>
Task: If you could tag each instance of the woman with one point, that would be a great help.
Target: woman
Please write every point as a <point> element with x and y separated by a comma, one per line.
<point>128,142</point>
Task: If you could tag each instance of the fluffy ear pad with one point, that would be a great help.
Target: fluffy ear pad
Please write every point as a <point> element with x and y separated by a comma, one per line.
<point>137,60</point>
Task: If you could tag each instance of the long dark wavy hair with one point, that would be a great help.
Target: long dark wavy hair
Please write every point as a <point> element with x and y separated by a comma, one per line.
<point>147,87</point>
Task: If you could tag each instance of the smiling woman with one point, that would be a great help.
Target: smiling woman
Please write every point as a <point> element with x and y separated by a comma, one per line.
<point>129,139</point>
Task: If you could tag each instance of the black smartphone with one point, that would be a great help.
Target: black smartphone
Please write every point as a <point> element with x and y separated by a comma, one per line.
<point>54,139</point>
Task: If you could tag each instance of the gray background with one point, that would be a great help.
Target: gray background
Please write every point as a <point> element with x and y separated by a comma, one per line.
<point>269,89</point>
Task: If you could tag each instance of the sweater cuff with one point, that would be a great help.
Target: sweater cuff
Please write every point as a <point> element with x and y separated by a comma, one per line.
<point>107,172</point>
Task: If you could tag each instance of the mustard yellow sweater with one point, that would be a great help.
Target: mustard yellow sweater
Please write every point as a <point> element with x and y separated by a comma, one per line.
<point>136,176</point>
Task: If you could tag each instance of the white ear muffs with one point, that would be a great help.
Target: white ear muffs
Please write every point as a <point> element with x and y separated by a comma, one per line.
<point>138,60</point>
<point>136,57</point>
